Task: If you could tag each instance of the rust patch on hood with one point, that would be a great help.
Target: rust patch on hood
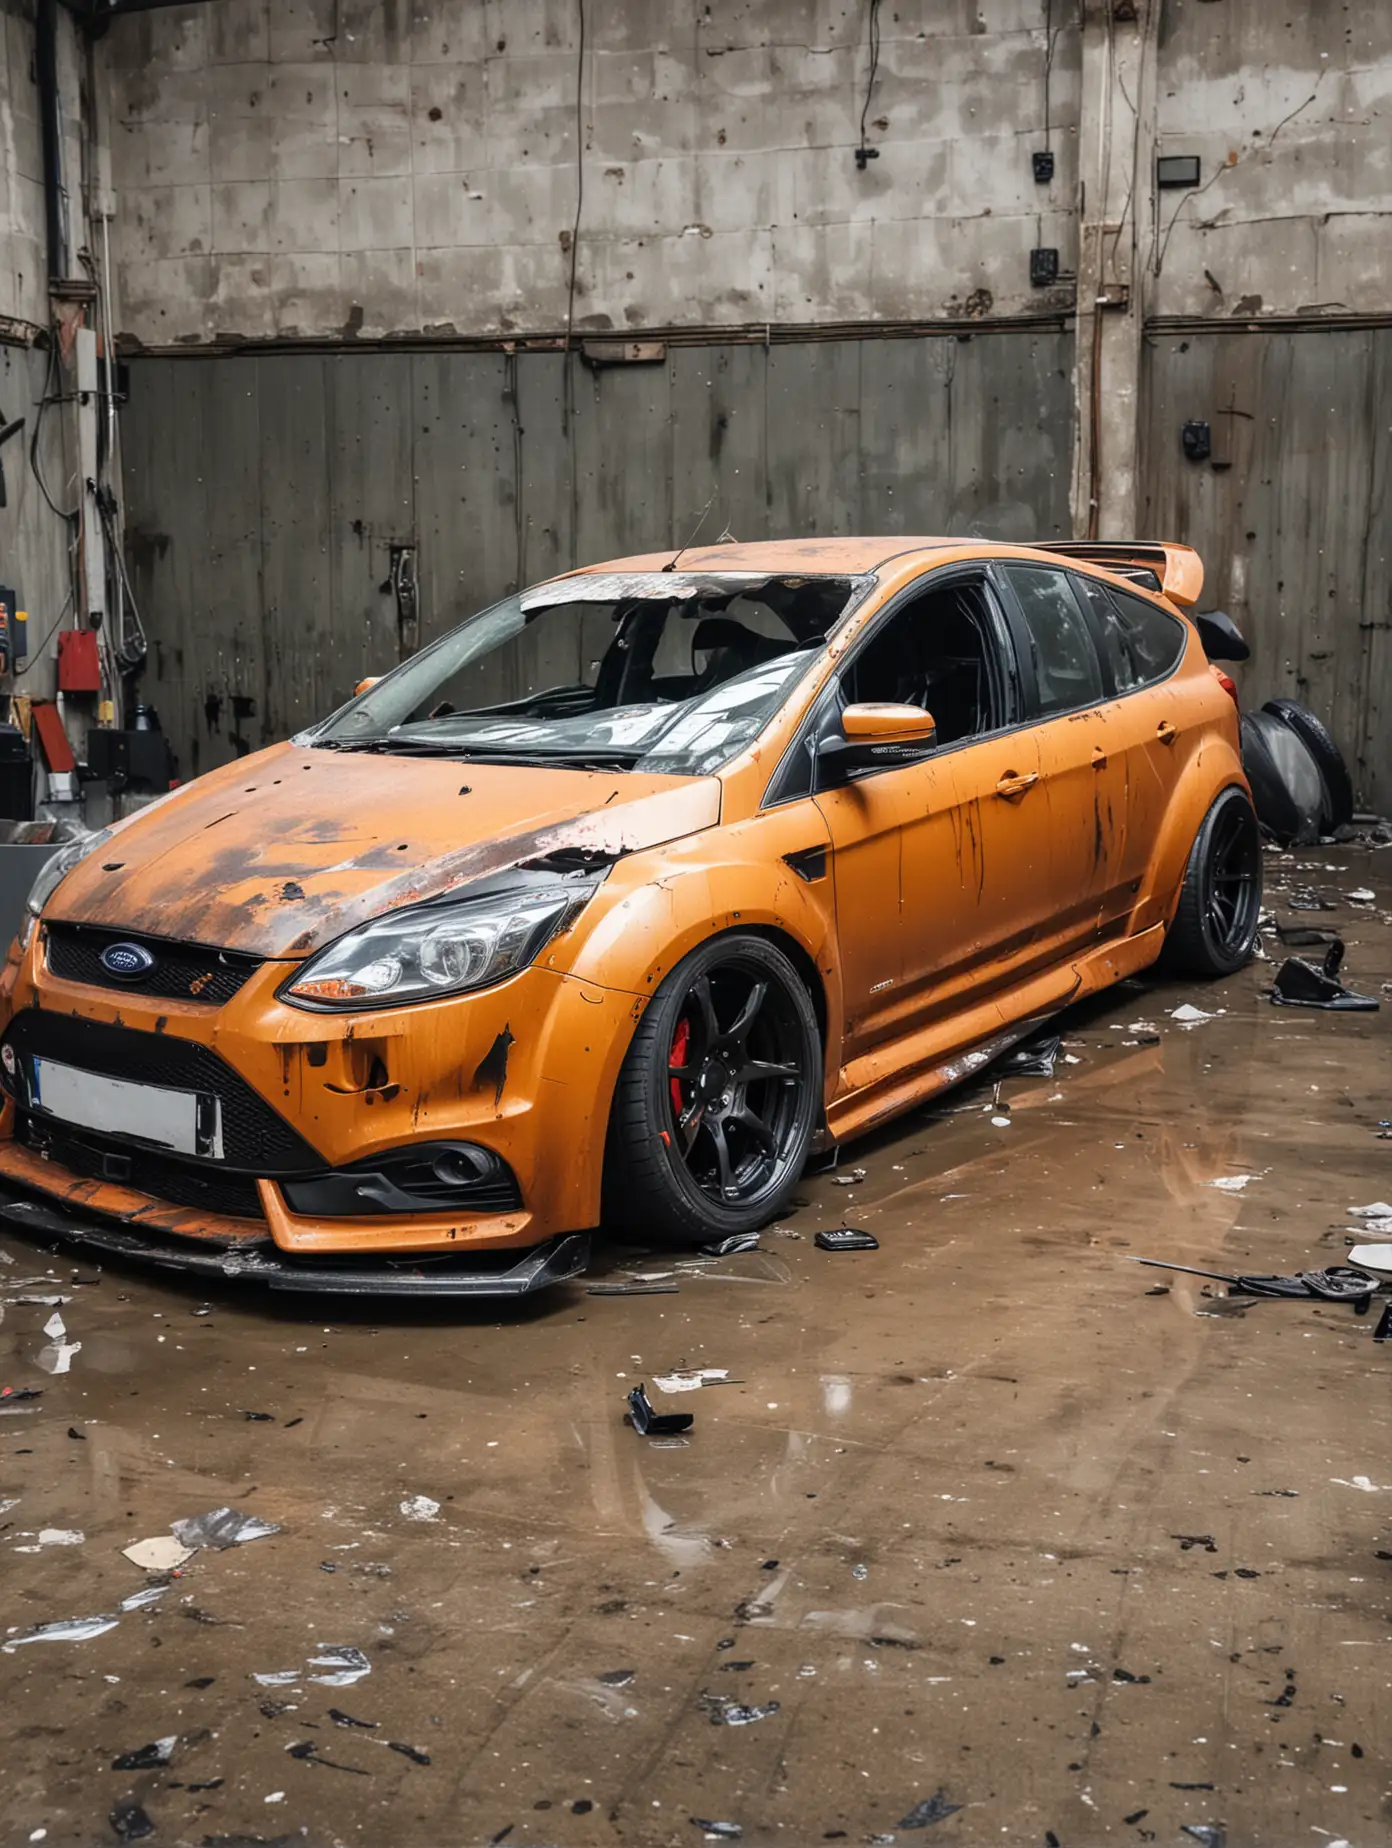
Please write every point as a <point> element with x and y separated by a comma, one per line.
<point>280,854</point>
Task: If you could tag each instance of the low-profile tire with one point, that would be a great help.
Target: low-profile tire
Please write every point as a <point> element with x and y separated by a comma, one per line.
<point>1327,755</point>
<point>1215,924</point>
<point>717,1099</point>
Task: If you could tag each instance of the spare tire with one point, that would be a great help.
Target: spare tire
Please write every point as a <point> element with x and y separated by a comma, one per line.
<point>1327,755</point>
<point>1287,789</point>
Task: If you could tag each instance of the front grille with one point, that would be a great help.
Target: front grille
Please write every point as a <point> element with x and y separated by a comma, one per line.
<point>203,1186</point>
<point>254,1137</point>
<point>181,971</point>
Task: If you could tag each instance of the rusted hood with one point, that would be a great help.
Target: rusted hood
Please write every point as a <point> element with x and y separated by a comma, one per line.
<point>282,852</point>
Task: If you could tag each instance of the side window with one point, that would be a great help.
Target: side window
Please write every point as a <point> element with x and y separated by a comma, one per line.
<point>1066,669</point>
<point>1142,643</point>
<point>939,652</point>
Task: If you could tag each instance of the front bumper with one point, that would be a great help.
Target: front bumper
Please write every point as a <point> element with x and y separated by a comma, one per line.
<point>506,1273</point>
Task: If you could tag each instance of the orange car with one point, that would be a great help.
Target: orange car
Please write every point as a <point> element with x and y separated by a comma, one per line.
<point>617,903</point>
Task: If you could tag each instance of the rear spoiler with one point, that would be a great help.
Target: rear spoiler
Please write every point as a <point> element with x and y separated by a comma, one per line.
<point>1174,570</point>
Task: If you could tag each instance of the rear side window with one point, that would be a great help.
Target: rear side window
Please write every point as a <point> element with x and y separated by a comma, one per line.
<point>1140,642</point>
<point>1066,671</point>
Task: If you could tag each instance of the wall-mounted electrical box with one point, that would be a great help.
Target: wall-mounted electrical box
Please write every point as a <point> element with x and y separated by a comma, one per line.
<point>79,661</point>
<point>1172,170</point>
<point>1044,266</point>
<point>1043,164</point>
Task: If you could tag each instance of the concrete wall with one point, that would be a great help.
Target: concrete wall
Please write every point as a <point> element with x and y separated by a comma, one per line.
<point>1289,108</point>
<point>265,493</point>
<point>1293,514</point>
<point>367,166</point>
<point>23,259</point>
<point>33,538</point>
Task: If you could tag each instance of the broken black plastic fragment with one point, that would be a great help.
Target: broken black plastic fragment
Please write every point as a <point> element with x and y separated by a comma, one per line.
<point>726,1831</point>
<point>1036,1058</point>
<point>728,1247</point>
<point>340,1718</point>
<point>1338,1283</point>
<point>932,1809</point>
<point>146,1757</point>
<point>131,1822</point>
<point>1305,984</point>
<point>649,1423</point>
<point>414,1753</point>
<point>847,1238</point>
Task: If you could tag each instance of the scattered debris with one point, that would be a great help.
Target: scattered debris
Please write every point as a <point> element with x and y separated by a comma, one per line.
<point>723,1831</point>
<point>65,1630</point>
<point>57,1357</point>
<point>728,1247</point>
<point>851,1178</point>
<point>345,1663</point>
<point>12,1395</point>
<point>131,1822</point>
<point>340,1718</point>
<point>621,1677</point>
<point>138,1600</point>
<point>221,1528</point>
<point>54,1536</point>
<point>1361,895</point>
<point>416,1756</point>
<point>1036,1058</point>
<point>1305,984</point>
<point>1340,1283</point>
<point>649,1423</point>
<point>162,1553</point>
<point>1188,1541</point>
<point>1232,1183</point>
<point>847,1238</point>
<point>726,1712</point>
<point>420,1508</point>
<point>689,1382</point>
<point>146,1757</point>
<point>1187,1015</point>
<point>932,1809</point>
<point>1212,1835</point>
<point>633,1286</point>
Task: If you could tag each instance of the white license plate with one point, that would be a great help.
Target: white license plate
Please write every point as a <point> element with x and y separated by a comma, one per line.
<point>185,1121</point>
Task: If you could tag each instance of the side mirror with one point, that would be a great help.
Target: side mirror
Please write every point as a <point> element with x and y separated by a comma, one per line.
<point>1221,637</point>
<point>875,737</point>
<point>365,684</point>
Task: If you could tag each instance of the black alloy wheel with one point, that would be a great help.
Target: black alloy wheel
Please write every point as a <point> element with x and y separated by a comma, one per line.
<point>718,1096</point>
<point>1215,926</point>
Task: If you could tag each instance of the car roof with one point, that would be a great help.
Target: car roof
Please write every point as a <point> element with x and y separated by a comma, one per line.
<point>1177,568</point>
<point>848,556</point>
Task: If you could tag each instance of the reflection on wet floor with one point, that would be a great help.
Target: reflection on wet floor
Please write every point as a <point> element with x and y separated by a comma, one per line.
<point>989,1512</point>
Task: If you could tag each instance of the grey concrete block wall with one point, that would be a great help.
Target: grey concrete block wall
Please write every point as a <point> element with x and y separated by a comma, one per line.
<point>310,169</point>
<point>1289,109</point>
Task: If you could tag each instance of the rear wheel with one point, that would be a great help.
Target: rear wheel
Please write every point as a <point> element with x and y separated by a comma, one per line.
<point>717,1098</point>
<point>1215,925</point>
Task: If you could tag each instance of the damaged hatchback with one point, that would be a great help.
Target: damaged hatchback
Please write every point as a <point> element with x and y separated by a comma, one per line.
<point>617,903</point>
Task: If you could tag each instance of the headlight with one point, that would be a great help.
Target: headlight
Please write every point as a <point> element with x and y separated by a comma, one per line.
<point>52,874</point>
<point>435,950</point>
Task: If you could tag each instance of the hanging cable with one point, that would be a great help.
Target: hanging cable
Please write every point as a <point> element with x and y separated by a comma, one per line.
<point>579,173</point>
<point>863,153</point>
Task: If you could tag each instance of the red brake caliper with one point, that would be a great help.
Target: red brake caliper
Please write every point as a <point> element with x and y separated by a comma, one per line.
<point>681,1040</point>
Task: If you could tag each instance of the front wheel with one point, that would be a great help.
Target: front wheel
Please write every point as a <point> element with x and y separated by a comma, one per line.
<point>717,1097</point>
<point>1215,925</point>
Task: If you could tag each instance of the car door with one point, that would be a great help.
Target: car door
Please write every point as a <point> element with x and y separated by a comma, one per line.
<point>936,863</point>
<point>1142,644</point>
<point>1082,759</point>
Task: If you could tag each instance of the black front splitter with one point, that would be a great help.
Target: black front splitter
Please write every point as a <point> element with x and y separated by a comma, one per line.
<point>263,1262</point>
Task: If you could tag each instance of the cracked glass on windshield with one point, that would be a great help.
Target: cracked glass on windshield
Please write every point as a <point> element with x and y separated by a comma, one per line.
<point>671,672</point>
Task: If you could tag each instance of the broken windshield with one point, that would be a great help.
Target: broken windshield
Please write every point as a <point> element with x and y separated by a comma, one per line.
<point>673,672</point>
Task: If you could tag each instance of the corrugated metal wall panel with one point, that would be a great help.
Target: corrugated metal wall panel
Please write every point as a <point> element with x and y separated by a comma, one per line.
<point>264,494</point>
<point>1291,514</point>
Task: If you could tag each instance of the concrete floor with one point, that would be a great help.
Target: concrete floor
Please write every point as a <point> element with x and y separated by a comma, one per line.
<point>943,1514</point>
